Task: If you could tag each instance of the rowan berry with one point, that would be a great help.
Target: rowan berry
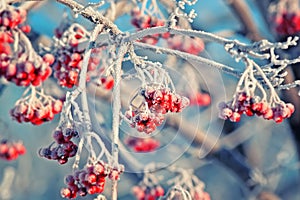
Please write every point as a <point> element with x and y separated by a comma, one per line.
<point>10,150</point>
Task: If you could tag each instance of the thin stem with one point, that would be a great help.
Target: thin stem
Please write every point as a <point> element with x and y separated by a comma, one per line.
<point>192,33</point>
<point>289,85</point>
<point>32,56</point>
<point>242,11</point>
<point>189,57</point>
<point>101,144</point>
<point>268,83</point>
<point>82,90</point>
<point>78,153</point>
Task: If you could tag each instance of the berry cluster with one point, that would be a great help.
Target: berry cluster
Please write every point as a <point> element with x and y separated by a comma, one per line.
<point>142,144</point>
<point>186,44</point>
<point>12,17</point>
<point>36,111</point>
<point>200,99</point>
<point>11,150</point>
<point>23,67</point>
<point>24,72</point>
<point>148,193</point>
<point>90,180</point>
<point>6,39</point>
<point>142,21</point>
<point>249,105</point>
<point>158,101</point>
<point>181,43</point>
<point>163,100</point>
<point>69,54</point>
<point>65,148</point>
<point>287,23</point>
<point>144,121</point>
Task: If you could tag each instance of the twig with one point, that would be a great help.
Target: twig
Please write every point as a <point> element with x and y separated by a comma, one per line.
<point>116,114</point>
<point>241,10</point>
<point>189,57</point>
<point>29,5</point>
<point>92,15</point>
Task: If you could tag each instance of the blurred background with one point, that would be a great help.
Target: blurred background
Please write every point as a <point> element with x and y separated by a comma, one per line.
<point>253,148</point>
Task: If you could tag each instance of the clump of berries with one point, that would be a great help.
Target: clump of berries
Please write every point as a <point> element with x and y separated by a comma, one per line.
<point>163,100</point>
<point>142,21</point>
<point>252,105</point>
<point>186,44</point>
<point>287,23</point>
<point>69,52</point>
<point>142,144</point>
<point>90,180</point>
<point>36,109</point>
<point>24,72</point>
<point>182,43</point>
<point>24,66</point>
<point>157,102</point>
<point>10,150</point>
<point>63,147</point>
<point>144,121</point>
<point>12,17</point>
<point>142,192</point>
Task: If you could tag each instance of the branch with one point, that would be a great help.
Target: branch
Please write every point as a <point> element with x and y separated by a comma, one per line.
<point>188,57</point>
<point>32,4</point>
<point>241,10</point>
<point>92,15</point>
<point>121,8</point>
<point>116,114</point>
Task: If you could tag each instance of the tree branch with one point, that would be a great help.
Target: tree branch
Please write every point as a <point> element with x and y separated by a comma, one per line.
<point>92,15</point>
<point>241,10</point>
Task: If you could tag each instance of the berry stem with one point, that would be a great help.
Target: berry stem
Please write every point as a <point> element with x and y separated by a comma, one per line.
<point>27,44</point>
<point>78,153</point>
<point>273,95</point>
<point>104,151</point>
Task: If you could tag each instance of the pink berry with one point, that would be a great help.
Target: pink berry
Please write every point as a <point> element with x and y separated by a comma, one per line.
<point>65,192</point>
<point>235,117</point>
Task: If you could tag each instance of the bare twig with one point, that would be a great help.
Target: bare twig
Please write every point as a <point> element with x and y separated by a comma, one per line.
<point>241,10</point>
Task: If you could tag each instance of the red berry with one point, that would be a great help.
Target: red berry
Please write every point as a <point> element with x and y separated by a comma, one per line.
<point>91,178</point>
<point>235,117</point>
<point>20,148</point>
<point>114,175</point>
<point>3,148</point>
<point>65,192</point>
<point>26,28</point>
<point>268,114</point>
<point>159,191</point>
<point>49,59</point>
